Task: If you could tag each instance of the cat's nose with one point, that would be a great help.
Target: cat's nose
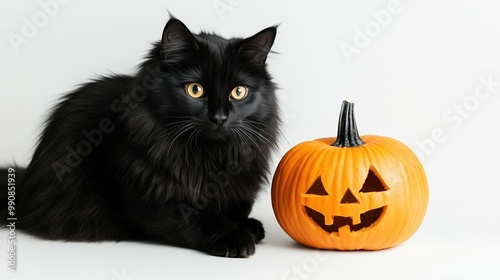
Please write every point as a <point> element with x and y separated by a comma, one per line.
<point>219,118</point>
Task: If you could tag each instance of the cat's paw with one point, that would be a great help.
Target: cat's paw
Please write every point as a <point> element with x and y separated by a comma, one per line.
<point>237,243</point>
<point>255,228</point>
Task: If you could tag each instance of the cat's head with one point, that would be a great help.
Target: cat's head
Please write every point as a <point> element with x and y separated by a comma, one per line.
<point>214,88</point>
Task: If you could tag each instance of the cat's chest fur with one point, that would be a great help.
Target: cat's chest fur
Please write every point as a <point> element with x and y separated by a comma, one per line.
<point>219,171</point>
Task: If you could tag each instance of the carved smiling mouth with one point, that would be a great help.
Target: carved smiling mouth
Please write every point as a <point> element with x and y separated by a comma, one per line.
<point>367,218</point>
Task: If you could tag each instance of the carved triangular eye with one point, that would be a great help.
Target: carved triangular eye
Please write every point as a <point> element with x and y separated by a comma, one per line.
<point>348,198</point>
<point>373,183</point>
<point>317,188</point>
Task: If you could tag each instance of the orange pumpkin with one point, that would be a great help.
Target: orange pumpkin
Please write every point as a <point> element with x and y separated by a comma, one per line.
<point>350,192</point>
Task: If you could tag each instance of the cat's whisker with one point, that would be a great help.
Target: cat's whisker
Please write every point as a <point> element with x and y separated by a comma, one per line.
<point>258,126</point>
<point>256,132</point>
<point>193,137</point>
<point>178,117</point>
<point>198,131</point>
<point>179,130</point>
<point>247,136</point>
<point>272,138</point>
<point>240,137</point>
<point>178,133</point>
<point>172,129</point>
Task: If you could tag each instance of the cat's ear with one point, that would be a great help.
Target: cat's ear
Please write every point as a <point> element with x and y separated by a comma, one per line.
<point>176,39</point>
<point>257,47</point>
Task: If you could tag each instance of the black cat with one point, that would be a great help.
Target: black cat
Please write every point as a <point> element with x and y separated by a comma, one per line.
<point>176,153</point>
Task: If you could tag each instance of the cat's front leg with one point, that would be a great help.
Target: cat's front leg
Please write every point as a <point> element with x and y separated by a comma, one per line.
<point>239,213</point>
<point>255,228</point>
<point>235,242</point>
<point>221,236</point>
<point>205,229</point>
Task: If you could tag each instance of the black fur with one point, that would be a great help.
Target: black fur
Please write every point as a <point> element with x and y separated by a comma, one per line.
<point>136,157</point>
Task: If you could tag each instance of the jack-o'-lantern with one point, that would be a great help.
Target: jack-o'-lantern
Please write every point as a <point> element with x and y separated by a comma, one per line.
<point>350,192</point>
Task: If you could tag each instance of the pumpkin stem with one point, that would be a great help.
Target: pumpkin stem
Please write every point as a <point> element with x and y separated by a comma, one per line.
<point>347,134</point>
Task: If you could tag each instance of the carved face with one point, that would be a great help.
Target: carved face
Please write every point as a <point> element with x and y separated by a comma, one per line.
<point>357,218</point>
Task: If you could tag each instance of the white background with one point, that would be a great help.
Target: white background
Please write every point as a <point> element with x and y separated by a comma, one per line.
<point>416,75</point>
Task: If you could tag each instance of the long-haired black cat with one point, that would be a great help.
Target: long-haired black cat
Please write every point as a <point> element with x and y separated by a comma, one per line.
<point>176,153</point>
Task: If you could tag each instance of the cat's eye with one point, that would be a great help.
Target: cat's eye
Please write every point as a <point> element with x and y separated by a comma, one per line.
<point>239,93</point>
<point>195,90</point>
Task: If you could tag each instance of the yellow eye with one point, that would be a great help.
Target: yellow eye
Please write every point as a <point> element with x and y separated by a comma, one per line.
<point>195,90</point>
<point>239,93</point>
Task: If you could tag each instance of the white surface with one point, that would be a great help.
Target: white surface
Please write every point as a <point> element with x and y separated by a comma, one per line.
<point>408,82</point>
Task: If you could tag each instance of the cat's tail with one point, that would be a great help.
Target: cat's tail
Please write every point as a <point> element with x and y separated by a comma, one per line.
<point>11,180</point>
